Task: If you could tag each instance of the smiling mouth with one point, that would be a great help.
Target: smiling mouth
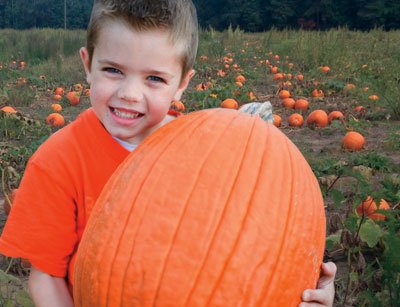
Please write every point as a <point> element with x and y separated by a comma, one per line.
<point>126,114</point>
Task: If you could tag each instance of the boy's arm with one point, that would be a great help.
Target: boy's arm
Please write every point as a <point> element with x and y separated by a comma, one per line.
<point>325,292</point>
<point>48,291</point>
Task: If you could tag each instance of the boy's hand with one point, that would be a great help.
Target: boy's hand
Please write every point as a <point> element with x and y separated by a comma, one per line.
<point>325,292</point>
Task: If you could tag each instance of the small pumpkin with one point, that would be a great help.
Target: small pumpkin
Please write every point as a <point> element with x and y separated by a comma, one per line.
<point>296,120</point>
<point>251,96</point>
<point>8,109</point>
<point>178,106</point>
<point>317,93</point>
<point>78,87</point>
<point>359,109</point>
<point>229,103</point>
<point>353,141</point>
<point>57,97</point>
<point>246,228</point>
<point>348,87</point>
<point>278,76</point>
<point>335,115</point>
<point>56,107</point>
<point>317,118</point>
<point>325,69</point>
<point>221,73</point>
<point>284,94</point>
<point>55,120</point>
<point>59,91</point>
<point>274,69</point>
<point>240,78</point>
<point>73,97</point>
<point>301,104</point>
<point>277,120</point>
<point>288,103</point>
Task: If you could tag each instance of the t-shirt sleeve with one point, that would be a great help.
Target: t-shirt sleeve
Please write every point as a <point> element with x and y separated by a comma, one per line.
<point>41,226</point>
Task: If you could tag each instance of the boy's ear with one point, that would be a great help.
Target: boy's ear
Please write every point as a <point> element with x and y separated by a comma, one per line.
<point>85,61</point>
<point>184,84</point>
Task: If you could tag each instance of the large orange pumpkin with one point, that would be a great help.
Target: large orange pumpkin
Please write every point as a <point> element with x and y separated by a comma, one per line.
<point>238,221</point>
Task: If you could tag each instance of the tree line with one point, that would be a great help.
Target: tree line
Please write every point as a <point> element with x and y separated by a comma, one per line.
<point>249,15</point>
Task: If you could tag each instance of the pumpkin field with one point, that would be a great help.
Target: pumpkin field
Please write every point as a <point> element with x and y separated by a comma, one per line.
<point>334,94</point>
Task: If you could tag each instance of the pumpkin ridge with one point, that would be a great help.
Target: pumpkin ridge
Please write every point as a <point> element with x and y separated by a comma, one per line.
<point>265,291</point>
<point>218,226</point>
<point>299,167</point>
<point>205,158</point>
<point>286,229</point>
<point>144,181</point>
<point>110,185</point>
<point>128,215</point>
<point>238,239</point>
<point>159,155</point>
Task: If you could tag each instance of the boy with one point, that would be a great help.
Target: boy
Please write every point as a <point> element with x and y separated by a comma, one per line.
<point>139,58</point>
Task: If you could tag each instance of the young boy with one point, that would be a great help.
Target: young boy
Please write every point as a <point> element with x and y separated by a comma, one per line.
<point>139,57</point>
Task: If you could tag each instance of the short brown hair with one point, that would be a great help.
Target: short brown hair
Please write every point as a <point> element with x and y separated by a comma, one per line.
<point>178,17</point>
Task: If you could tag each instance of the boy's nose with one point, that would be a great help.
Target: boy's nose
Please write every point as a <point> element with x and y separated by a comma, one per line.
<point>130,91</point>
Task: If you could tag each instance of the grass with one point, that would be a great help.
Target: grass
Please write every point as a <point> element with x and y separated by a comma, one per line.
<point>365,251</point>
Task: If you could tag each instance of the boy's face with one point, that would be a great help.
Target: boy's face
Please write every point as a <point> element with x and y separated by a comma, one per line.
<point>133,78</point>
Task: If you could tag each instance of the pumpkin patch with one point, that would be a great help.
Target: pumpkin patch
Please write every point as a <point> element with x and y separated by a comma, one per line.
<point>359,93</point>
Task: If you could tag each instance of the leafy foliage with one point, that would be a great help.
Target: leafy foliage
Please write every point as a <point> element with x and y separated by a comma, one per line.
<point>251,15</point>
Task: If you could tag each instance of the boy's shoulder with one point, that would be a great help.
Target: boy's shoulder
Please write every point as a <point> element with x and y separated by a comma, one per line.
<point>71,137</point>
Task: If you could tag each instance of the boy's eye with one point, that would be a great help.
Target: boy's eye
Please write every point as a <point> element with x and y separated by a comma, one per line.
<point>155,79</point>
<point>112,70</point>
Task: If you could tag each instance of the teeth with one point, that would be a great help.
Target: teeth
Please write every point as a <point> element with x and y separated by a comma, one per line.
<point>123,114</point>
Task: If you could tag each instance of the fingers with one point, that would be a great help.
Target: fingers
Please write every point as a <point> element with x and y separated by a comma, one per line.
<point>316,298</point>
<point>328,272</point>
<point>310,305</point>
<point>328,269</point>
<point>325,292</point>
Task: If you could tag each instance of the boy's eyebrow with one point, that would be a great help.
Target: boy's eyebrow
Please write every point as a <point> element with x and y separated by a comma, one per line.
<point>151,72</point>
<point>109,63</point>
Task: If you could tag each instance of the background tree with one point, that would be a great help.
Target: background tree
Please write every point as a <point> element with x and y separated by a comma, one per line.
<point>249,15</point>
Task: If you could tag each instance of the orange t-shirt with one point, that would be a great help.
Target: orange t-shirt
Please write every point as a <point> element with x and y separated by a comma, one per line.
<point>61,183</point>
